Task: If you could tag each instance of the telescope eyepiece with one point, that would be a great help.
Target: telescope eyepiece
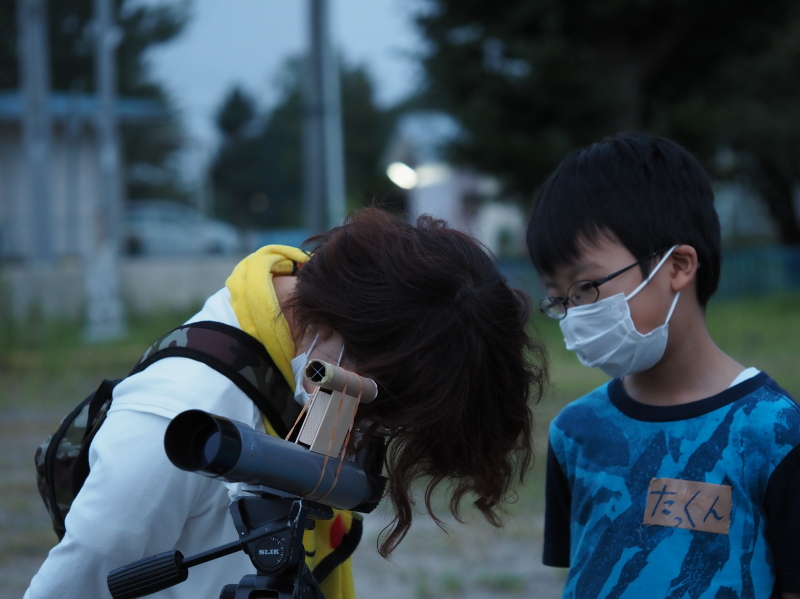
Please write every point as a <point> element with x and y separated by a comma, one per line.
<point>316,371</point>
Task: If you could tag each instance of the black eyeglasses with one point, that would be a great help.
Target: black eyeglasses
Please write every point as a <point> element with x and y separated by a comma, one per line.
<point>582,293</point>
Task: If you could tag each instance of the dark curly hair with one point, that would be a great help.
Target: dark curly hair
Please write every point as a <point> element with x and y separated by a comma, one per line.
<point>425,312</point>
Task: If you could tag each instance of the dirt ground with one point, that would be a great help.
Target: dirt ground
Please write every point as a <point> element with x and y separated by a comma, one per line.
<point>472,561</point>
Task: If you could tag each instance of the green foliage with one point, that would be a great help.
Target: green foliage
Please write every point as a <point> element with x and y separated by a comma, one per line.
<point>237,111</point>
<point>47,363</point>
<point>258,170</point>
<point>148,148</point>
<point>502,582</point>
<point>533,80</point>
<point>71,40</point>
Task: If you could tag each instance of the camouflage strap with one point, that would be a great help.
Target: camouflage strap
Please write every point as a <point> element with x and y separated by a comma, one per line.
<point>236,355</point>
<point>62,461</point>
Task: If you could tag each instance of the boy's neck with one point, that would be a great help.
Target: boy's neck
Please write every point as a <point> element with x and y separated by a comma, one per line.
<point>693,368</point>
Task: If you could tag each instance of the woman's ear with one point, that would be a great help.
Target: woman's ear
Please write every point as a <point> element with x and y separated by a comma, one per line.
<point>314,333</point>
<point>683,267</point>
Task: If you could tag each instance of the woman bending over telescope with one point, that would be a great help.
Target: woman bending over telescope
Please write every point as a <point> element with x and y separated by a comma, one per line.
<point>421,309</point>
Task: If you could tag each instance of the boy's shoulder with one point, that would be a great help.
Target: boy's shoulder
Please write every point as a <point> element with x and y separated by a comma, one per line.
<point>587,409</point>
<point>760,398</point>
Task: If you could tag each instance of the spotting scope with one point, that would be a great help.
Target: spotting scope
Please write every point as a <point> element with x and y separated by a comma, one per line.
<point>217,447</point>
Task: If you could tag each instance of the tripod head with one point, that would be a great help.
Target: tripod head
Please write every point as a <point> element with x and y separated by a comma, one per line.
<point>270,530</point>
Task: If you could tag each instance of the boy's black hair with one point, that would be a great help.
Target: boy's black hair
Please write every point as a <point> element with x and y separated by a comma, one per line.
<point>647,192</point>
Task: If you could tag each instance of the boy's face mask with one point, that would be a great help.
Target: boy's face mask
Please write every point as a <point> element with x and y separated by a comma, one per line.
<point>604,336</point>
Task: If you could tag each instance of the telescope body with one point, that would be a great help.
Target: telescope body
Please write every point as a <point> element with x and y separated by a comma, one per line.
<point>220,448</point>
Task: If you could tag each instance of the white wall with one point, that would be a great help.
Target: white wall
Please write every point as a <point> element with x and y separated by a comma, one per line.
<point>73,193</point>
<point>146,284</point>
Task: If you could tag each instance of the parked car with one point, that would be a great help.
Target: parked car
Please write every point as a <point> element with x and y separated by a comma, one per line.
<point>160,227</point>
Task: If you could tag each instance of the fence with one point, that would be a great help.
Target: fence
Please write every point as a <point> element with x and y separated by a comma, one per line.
<point>152,284</point>
<point>759,271</point>
<point>746,272</point>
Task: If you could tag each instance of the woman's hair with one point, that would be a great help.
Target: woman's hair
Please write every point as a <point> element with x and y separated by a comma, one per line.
<point>425,313</point>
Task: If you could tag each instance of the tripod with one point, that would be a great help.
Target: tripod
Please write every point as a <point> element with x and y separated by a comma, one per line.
<point>270,525</point>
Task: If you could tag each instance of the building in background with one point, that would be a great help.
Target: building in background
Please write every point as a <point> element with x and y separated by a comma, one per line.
<point>416,160</point>
<point>74,177</point>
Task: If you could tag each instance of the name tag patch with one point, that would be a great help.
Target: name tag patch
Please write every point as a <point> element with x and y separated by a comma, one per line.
<point>689,504</point>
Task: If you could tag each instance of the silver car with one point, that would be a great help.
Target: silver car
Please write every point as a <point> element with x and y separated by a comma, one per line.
<point>161,227</point>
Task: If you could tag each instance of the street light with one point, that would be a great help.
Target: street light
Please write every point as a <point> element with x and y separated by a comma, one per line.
<point>402,175</point>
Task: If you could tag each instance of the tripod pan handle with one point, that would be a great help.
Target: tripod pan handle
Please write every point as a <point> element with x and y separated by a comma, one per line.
<point>147,576</point>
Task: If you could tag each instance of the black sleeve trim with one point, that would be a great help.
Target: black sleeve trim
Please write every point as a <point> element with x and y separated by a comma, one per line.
<point>558,500</point>
<point>783,521</point>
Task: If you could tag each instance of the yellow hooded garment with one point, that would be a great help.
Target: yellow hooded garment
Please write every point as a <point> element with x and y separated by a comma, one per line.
<point>329,546</point>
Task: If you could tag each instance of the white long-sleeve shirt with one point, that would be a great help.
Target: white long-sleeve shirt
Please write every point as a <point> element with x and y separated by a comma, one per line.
<point>135,503</point>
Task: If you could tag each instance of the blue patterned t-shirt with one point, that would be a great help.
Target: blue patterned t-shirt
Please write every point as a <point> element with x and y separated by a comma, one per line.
<point>700,500</point>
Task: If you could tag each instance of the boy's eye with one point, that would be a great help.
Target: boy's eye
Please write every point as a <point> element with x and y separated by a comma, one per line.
<point>581,291</point>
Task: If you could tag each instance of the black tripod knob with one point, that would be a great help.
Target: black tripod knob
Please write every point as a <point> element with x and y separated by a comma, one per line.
<point>147,576</point>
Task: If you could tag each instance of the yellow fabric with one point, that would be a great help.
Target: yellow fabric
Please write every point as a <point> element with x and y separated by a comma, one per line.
<point>256,305</point>
<point>259,313</point>
<point>317,544</point>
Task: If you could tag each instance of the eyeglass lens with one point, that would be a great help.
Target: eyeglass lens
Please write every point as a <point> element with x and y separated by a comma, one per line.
<point>553,307</point>
<point>579,294</point>
<point>582,293</point>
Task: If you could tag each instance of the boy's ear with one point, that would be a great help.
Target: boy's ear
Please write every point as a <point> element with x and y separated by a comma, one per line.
<point>683,267</point>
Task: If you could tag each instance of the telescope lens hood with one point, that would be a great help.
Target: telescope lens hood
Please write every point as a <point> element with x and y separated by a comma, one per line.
<point>198,441</point>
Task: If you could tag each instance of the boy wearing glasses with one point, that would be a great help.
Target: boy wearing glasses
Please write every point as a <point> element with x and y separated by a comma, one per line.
<point>681,476</point>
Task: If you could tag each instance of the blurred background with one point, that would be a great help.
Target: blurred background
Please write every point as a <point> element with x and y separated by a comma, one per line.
<point>147,145</point>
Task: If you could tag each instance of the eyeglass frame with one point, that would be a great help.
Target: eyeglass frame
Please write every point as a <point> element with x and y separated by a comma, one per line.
<point>594,284</point>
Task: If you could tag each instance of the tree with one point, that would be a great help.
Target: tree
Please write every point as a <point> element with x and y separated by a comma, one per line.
<point>238,172</point>
<point>753,104</point>
<point>257,173</point>
<point>534,80</point>
<point>147,149</point>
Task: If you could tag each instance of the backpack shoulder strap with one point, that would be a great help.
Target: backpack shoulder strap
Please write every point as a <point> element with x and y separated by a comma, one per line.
<point>236,355</point>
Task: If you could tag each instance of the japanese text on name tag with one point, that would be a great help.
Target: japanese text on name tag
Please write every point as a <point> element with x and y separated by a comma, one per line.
<point>689,504</point>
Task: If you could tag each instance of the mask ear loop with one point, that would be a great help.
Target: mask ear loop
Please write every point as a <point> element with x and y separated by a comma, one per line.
<point>651,275</point>
<point>313,344</point>
<point>341,354</point>
<point>307,405</point>
<point>672,308</point>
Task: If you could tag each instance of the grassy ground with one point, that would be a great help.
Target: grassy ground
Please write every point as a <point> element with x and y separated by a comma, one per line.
<point>45,369</point>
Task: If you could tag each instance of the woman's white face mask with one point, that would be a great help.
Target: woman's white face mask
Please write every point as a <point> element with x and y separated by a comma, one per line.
<point>299,363</point>
<point>604,336</point>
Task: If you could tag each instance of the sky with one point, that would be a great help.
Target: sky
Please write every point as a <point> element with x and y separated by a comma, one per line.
<point>245,42</point>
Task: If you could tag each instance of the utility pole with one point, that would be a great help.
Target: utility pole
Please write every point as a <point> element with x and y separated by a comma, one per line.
<point>104,317</point>
<point>324,189</point>
<point>36,130</point>
<point>106,42</point>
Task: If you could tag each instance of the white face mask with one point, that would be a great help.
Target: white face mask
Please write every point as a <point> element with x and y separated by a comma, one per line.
<point>299,362</point>
<point>604,336</point>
